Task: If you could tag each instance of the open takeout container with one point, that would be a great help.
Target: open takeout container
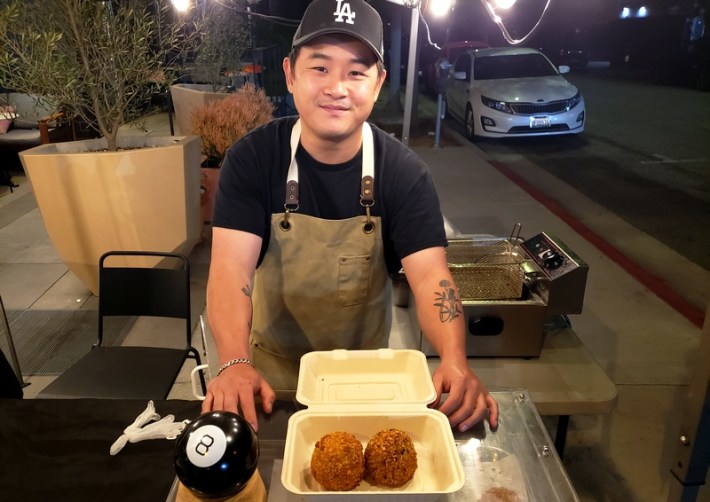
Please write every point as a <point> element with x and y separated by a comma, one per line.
<point>364,392</point>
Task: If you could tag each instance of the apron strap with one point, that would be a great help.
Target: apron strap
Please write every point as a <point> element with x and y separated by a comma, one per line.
<point>367,185</point>
<point>291,203</point>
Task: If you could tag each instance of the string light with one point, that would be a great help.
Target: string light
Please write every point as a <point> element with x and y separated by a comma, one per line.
<point>492,5</point>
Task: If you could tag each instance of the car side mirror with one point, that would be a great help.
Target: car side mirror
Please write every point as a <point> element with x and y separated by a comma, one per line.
<point>564,69</point>
<point>460,75</point>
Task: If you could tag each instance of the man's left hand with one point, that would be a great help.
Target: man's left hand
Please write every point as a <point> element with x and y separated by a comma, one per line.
<point>468,400</point>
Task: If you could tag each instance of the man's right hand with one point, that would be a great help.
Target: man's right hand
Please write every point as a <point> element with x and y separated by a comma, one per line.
<point>234,391</point>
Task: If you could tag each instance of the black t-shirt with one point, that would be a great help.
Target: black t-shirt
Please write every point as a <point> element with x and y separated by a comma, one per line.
<point>252,187</point>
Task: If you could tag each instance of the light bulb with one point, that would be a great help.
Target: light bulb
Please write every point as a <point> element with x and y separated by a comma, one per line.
<point>440,8</point>
<point>504,4</point>
<point>181,5</point>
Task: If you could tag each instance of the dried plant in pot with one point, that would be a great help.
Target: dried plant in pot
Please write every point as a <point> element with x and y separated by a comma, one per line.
<point>219,124</point>
<point>223,38</point>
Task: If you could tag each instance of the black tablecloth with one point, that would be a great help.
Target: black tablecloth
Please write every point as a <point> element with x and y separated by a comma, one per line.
<point>57,450</point>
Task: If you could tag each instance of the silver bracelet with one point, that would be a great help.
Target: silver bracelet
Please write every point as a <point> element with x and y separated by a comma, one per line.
<point>239,360</point>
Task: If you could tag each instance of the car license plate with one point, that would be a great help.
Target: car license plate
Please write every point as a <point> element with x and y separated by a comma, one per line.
<point>539,121</point>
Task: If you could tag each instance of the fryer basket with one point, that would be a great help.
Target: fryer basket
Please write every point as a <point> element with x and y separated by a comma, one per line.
<point>488,269</point>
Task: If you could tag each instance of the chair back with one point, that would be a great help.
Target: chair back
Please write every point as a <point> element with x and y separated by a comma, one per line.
<point>145,283</point>
<point>29,108</point>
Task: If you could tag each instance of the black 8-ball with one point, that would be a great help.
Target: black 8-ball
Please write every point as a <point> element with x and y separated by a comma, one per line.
<point>216,454</point>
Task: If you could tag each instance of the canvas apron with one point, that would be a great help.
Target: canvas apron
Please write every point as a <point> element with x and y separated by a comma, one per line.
<point>322,284</point>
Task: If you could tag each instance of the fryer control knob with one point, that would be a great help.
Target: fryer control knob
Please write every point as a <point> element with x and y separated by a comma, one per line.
<point>552,260</point>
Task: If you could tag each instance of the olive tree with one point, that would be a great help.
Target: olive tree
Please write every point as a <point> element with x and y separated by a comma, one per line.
<point>223,40</point>
<point>99,60</point>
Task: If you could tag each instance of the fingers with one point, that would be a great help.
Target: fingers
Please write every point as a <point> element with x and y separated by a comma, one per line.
<point>493,410</point>
<point>471,418</point>
<point>463,410</point>
<point>467,403</point>
<point>207,403</point>
<point>453,406</point>
<point>246,403</point>
<point>268,396</point>
<point>235,393</point>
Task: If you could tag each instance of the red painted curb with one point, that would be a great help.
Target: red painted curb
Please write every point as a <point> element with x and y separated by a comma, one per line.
<point>654,283</point>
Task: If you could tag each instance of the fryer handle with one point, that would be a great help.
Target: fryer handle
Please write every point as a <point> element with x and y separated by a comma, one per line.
<point>485,326</point>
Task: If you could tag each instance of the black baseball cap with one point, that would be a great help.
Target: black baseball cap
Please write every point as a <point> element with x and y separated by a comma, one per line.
<point>350,17</point>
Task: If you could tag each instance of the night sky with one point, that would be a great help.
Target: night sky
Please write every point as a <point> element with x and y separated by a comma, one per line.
<point>471,21</point>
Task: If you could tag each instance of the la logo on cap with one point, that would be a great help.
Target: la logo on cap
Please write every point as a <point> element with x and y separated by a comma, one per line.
<point>343,13</point>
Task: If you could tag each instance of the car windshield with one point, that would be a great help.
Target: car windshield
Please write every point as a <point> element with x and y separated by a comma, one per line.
<point>512,66</point>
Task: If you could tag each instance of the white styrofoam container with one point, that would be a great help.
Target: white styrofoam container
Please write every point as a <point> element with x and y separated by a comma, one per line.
<point>364,392</point>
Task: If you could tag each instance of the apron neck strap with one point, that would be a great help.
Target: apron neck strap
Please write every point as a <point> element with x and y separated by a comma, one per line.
<point>291,203</point>
<point>367,184</point>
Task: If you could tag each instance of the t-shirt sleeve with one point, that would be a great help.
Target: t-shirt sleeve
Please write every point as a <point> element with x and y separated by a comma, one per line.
<point>414,213</point>
<point>241,201</point>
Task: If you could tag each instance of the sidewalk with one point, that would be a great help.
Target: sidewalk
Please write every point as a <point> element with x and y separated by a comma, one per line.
<point>645,346</point>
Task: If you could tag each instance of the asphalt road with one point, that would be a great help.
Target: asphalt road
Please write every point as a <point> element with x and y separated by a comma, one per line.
<point>645,156</point>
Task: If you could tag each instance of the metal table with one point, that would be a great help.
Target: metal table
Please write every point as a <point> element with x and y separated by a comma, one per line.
<point>518,455</point>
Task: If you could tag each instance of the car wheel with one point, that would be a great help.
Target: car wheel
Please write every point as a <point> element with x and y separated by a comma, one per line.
<point>470,124</point>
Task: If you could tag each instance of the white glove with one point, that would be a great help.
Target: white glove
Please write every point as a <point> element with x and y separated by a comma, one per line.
<point>165,428</point>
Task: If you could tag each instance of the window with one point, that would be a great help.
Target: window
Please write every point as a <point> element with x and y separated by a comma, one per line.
<point>512,66</point>
<point>463,63</point>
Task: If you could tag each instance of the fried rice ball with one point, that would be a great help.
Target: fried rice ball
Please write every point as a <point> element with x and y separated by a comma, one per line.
<point>390,458</point>
<point>337,462</point>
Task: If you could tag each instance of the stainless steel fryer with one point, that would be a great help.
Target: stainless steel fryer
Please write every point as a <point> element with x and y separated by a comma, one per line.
<point>506,286</point>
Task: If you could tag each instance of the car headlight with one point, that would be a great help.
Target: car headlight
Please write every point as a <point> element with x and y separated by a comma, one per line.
<point>571,103</point>
<point>501,106</point>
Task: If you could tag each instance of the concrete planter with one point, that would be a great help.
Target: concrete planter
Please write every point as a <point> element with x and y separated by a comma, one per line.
<point>146,197</point>
<point>186,97</point>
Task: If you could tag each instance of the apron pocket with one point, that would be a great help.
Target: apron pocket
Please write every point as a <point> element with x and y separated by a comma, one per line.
<point>353,279</point>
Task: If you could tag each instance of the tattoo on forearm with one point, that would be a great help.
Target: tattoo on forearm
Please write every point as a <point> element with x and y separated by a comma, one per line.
<point>447,302</point>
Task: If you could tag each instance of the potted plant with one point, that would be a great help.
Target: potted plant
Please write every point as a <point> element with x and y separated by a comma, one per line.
<point>221,123</point>
<point>223,39</point>
<point>102,61</point>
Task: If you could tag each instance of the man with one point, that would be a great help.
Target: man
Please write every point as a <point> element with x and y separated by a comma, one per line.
<point>311,215</point>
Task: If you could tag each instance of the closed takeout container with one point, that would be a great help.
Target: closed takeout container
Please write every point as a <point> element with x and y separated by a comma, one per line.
<point>364,392</point>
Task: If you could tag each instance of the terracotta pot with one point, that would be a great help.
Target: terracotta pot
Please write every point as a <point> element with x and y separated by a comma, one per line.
<point>209,180</point>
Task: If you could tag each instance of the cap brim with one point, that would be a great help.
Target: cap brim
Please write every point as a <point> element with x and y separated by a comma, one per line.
<point>329,31</point>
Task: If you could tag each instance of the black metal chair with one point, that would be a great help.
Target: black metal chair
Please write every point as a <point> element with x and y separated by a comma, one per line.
<point>134,372</point>
<point>11,382</point>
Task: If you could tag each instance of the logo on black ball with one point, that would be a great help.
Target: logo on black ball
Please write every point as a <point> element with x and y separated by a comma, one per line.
<point>203,447</point>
